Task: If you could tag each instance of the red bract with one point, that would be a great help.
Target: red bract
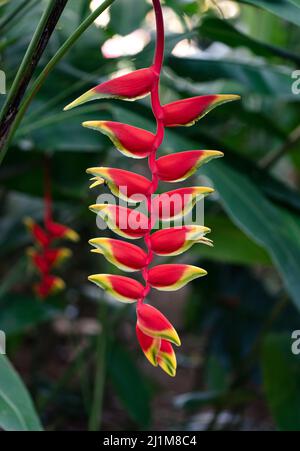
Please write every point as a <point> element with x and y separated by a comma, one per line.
<point>154,332</point>
<point>179,166</point>
<point>188,111</point>
<point>124,184</point>
<point>48,286</point>
<point>130,141</point>
<point>176,240</point>
<point>132,86</point>
<point>125,256</point>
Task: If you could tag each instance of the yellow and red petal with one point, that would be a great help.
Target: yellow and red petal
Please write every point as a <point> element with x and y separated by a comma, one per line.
<point>125,256</point>
<point>124,184</point>
<point>179,166</point>
<point>166,358</point>
<point>150,345</point>
<point>124,289</point>
<point>154,324</point>
<point>188,111</point>
<point>127,223</point>
<point>177,203</point>
<point>132,86</point>
<point>45,260</point>
<point>39,234</point>
<point>130,141</point>
<point>174,276</point>
<point>59,231</point>
<point>49,286</point>
<point>38,260</point>
<point>176,240</point>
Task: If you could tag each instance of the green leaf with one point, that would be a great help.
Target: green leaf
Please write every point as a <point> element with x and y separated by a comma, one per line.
<point>129,384</point>
<point>261,79</point>
<point>23,312</point>
<point>281,379</point>
<point>222,31</point>
<point>285,9</point>
<point>126,15</point>
<point>16,409</point>
<point>273,228</point>
<point>224,234</point>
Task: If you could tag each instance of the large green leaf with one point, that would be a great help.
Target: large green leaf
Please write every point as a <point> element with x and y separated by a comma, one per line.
<point>126,15</point>
<point>256,78</point>
<point>286,9</point>
<point>222,30</point>
<point>224,234</point>
<point>281,375</point>
<point>273,228</point>
<point>23,312</point>
<point>16,409</point>
<point>129,384</point>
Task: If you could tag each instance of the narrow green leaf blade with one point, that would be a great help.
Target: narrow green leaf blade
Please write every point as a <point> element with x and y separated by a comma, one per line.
<point>281,374</point>
<point>273,228</point>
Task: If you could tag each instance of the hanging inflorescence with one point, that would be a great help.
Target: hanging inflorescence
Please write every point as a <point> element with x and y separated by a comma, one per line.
<point>45,256</point>
<point>155,333</point>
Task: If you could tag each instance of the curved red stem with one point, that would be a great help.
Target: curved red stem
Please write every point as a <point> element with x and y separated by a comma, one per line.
<point>159,137</point>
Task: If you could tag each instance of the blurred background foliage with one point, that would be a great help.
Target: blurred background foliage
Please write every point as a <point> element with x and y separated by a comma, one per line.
<point>236,368</point>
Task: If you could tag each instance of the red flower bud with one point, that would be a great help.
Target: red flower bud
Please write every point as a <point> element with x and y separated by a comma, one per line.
<point>124,289</point>
<point>176,240</point>
<point>154,324</point>
<point>178,203</point>
<point>123,184</point>
<point>37,232</point>
<point>125,222</point>
<point>125,256</point>
<point>131,86</point>
<point>158,352</point>
<point>59,231</point>
<point>130,141</point>
<point>173,277</point>
<point>179,166</point>
<point>48,286</point>
<point>188,111</point>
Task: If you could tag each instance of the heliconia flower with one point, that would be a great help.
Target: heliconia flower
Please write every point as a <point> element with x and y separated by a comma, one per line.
<point>176,240</point>
<point>124,289</point>
<point>60,231</point>
<point>48,286</point>
<point>132,86</point>
<point>177,203</point>
<point>127,223</point>
<point>125,256</point>
<point>158,352</point>
<point>39,234</point>
<point>45,260</point>
<point>130,141</point>
<point>174,276</point>
<point>123,184</point>
<point>188,111</point>
<point>179,166</point>
<point>154,324</point>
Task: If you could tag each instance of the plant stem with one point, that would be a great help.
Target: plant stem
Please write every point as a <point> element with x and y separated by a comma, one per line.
<point>100,373</point>
<point>49,67</point>
<point>26,70</point>
<point>159,137</point>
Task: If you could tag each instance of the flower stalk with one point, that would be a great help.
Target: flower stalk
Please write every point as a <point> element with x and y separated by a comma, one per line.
<point>45,255</point>
<point>155,333</point>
